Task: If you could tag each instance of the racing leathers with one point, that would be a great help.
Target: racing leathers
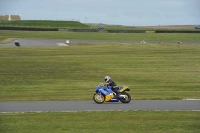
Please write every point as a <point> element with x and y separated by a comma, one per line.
<point>114,86</point>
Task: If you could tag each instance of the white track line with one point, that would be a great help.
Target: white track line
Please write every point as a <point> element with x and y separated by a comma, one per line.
<point>190,99</point>
<point>62,44</point>
<point>93,111</point>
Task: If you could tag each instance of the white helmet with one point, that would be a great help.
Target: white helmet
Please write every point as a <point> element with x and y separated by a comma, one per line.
<point>107,78</point>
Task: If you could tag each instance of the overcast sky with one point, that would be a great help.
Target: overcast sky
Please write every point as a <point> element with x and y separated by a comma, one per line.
<point>122,12</point>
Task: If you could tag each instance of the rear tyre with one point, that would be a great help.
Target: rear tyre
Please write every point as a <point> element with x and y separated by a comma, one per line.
<point>125,99</point>
<point>17,44</point>
<point>99,98</point>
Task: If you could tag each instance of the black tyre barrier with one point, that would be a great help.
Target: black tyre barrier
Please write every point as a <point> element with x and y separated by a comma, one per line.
<point>175,31</point>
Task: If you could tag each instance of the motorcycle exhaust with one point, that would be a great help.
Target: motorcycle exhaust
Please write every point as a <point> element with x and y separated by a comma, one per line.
<point>122,96</point>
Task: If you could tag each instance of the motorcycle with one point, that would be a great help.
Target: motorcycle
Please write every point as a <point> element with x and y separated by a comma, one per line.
<point>17,43</point>
<point>105,93</point>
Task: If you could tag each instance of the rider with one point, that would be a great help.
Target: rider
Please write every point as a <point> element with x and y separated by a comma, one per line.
<point>17,42</point>
<point>110,82</point>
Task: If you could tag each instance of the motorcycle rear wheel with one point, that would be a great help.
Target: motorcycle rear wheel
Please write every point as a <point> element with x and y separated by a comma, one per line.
<point>127,98</point>
<point>99,98</point>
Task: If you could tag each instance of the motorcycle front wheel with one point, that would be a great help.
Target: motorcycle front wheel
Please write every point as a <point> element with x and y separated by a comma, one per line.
<point>125,99</point>
<point>99,98</point>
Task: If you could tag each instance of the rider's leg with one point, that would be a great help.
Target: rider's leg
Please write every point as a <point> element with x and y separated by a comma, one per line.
<point>115,89</point>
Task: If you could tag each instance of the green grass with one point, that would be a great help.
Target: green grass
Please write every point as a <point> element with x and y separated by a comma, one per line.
<point>5,40</point>
<point>98,122</point>
<point>184,37</point>
<point>43,24</point>
<point>121,27</point>
<point>72,73</point>
<point>78,25</point>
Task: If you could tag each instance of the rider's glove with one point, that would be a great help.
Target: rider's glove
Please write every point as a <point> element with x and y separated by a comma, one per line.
<point>106,84</point>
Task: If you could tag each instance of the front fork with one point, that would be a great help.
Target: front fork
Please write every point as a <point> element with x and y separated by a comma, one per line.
<point>99,95</point>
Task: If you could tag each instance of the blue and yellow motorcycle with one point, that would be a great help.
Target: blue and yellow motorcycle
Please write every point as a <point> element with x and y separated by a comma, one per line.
<point>105,93</point>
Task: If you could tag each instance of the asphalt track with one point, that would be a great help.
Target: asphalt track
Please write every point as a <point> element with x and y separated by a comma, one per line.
<point>26,42</point>
<point>68,106</point>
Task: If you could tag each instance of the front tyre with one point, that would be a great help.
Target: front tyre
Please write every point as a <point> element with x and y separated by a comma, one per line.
<point>98,98</point>
<point>126,98</point>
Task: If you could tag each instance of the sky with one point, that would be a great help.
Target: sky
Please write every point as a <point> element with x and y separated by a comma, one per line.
<point>118,12</point>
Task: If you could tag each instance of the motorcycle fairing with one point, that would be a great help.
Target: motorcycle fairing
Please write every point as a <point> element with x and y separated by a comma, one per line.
<point>109,97</point>
<point>107,92</point>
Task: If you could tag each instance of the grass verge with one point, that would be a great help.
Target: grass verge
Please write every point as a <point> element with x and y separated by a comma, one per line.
<point>43,23</point>
<point>98,122</point>
<point>4,40</point>
<point>183,37</point>
<point>72,73</point>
